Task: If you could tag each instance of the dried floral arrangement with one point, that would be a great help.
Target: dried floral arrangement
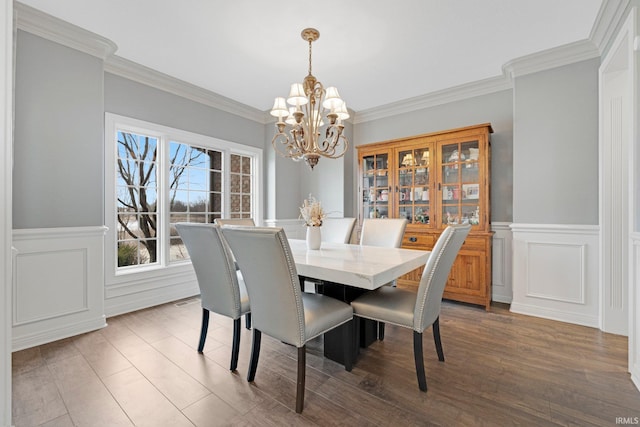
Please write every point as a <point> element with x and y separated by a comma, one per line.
<point>311,212</point>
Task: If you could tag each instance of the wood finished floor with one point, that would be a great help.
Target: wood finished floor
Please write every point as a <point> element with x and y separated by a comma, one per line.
<point>501,369</point>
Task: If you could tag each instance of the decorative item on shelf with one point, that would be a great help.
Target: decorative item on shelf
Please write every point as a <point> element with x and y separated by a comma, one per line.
<point>421,216</point>
<point>475,217</point>
<point>312,213</point>
<point>310,103</point>
<point>407,160</point>
<point>451,219</point>
<point>456,157</point>
<point>425,158</point>
<point>472,160</point>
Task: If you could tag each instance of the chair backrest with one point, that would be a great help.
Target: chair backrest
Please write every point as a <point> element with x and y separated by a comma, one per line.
<point>387,232</point>
<point>269,272</point>
<point>213,263</point>
<point>337,230</point>
<point>235,221</point>
<point>435,275</point>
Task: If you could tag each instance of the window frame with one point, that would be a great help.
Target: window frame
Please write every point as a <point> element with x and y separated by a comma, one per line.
<point>115,123</point>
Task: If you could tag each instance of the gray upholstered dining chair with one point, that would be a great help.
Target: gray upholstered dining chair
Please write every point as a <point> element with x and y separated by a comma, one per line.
<point>246,222</point>
<point>419,310</point>
<point>235,221</point>
<point>337,230</point>
<point>279,308</point>
<point>386,233</point>
<point>383,232</point>
<point>222,288</point>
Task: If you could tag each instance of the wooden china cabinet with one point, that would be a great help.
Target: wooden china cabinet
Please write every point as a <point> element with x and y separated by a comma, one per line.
<point>434,180</point>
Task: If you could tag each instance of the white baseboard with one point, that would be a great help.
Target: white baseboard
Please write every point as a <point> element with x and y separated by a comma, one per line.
<point>43,335</point>
<point>553,314</point>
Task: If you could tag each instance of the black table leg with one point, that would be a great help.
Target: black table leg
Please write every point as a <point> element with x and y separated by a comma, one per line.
<point>365,333</point>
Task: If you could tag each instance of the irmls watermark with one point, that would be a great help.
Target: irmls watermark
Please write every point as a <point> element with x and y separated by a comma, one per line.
<point>627,420</point>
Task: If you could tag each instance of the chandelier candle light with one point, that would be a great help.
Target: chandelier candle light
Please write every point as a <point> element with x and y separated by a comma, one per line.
<point>309,103</point>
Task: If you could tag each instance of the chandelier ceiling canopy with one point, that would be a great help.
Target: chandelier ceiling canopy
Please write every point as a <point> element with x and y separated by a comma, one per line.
<point>302,114</point>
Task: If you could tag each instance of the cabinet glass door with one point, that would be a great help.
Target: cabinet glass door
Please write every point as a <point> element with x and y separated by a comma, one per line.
<point>413,185</point>
<point>460,183</point>
<point>375,186</point>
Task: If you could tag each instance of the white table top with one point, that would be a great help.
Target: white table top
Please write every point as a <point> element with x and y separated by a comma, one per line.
<point>366,267</point>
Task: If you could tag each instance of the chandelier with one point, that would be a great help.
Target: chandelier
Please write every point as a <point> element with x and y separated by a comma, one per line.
<point>308,103</point>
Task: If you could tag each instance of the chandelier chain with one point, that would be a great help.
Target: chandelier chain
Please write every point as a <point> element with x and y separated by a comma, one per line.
<point>310,41</point>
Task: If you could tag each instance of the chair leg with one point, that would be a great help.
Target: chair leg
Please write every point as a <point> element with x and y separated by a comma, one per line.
<point>417,355</point>
<point>302,367</point>
<point>255,353</point>
<point>235,348</point>
<point>247,321</point>
<point>203,329</point>
<point>436,338</point>
<point>356,338</point>
<point>381,331</point>
<point>348,345</point>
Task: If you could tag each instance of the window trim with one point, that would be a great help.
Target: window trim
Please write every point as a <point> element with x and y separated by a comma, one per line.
<point>115,123</point>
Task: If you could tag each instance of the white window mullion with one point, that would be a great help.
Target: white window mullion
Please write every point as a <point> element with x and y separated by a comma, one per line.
<point>226,185</point>
<point>163,200</point>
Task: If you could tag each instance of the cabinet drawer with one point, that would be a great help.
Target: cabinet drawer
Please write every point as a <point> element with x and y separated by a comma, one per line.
<point>474,243</point>
<point>418,240</point>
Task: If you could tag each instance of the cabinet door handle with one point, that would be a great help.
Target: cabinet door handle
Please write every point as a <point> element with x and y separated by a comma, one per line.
<point>413,239</point>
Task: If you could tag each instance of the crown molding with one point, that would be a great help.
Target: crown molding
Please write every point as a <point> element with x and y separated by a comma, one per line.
<point>56,30</point>
<point>62,32</point>
<point>150,77</point>
<point>551,58</point>
<point>456,93</point>
<point>609,17</point>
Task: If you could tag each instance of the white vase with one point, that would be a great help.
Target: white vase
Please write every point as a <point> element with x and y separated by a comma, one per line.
<point>313,238</point>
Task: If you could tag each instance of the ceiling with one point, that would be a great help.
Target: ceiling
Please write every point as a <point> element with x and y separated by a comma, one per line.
<point>375,51</point>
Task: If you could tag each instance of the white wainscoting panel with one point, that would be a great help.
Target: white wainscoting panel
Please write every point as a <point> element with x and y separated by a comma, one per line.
<point>634,316</point>
<point>135,291</point>
<point>502,290</point>
<point>555,272</point>
<point>58,284</point>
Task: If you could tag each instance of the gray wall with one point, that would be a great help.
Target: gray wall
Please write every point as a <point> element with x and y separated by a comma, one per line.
<point>544,146</point>
<point>139,101</point>
<point>58,154</point>
<point>555,147</point>
<point>132,99</point>
<point>288,183</point>
<point>495,108</point>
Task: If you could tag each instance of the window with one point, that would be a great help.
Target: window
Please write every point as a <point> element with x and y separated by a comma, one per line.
<point>240,186</point>
<point>158,176</point>
<point>137,199</point>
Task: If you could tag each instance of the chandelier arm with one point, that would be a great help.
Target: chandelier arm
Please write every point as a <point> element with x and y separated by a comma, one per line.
<point>299,136</point>
<point>335,142</point>
<point>282,145</point>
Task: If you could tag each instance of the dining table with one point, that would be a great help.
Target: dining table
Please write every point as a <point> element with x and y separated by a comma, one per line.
<point>346,271</point>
